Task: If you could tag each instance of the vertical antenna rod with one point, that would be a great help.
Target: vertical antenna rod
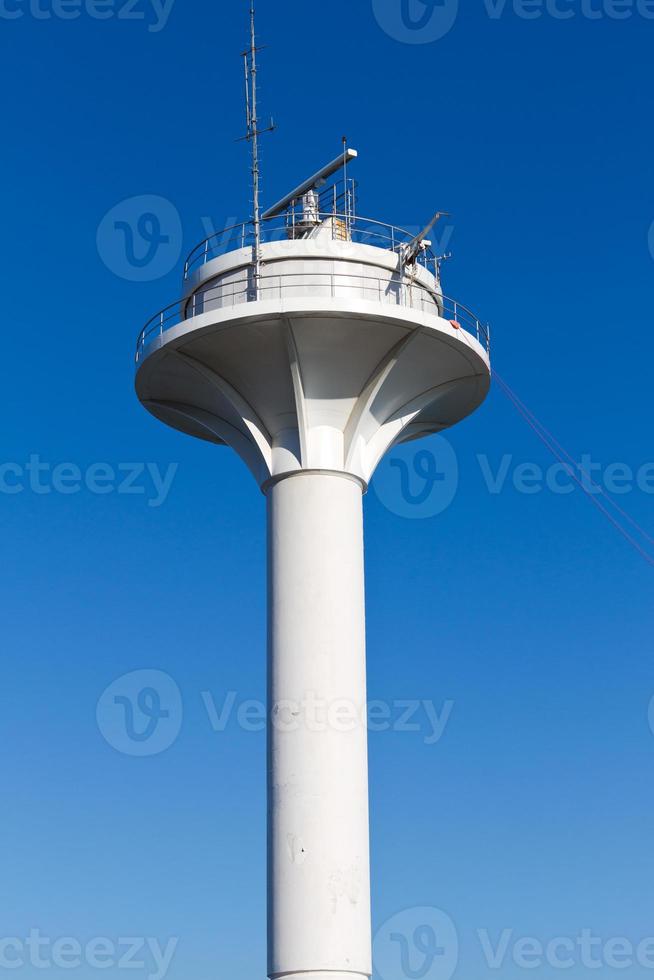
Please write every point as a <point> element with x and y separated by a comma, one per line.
<point>252,136</point>
<point>256,212</point>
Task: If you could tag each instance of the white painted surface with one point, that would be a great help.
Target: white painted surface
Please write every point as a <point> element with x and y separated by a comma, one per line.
<point>309,251</point>
<point>317,377</point>
<point>319,889</point>
<point>321,372</point>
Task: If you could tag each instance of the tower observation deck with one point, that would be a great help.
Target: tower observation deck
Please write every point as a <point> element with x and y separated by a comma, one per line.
<point>337,351</point>
<point>311,343</point>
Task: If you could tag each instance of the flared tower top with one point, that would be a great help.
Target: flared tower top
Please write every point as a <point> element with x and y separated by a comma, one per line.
<point>316,347</point>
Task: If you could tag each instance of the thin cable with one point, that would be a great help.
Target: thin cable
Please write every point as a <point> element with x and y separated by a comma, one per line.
<point>551,446</point>
<point>600,490</point>
<point>628,537</point>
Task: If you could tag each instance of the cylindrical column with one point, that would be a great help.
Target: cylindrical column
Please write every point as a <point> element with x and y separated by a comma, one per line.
<point>318,857</point>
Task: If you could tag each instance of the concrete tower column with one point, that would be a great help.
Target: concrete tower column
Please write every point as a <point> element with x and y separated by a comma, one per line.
<point>318,864</point>
<point>343,353</point>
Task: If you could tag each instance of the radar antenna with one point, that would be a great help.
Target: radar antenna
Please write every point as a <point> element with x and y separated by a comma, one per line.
<point>314,182</point>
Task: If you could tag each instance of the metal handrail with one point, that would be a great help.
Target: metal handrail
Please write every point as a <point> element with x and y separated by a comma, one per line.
<point>359,228</point>
<point>451,309</point>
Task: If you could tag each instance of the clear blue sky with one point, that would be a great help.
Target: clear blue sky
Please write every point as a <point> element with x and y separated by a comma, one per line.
<point>529,612</point>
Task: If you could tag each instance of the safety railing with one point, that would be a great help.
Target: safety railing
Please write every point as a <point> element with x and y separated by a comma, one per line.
<point>365,231</point>
<point>396,292</point>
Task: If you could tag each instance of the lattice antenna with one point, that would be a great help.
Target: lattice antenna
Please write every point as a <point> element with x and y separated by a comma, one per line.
<point>252,136</point>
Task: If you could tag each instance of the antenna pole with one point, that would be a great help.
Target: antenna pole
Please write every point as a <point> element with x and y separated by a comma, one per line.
<point>345,189</point>
<point>253,133</point>
<point>252,136</point>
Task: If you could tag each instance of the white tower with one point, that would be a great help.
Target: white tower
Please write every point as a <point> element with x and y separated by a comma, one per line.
<point>311,341</point>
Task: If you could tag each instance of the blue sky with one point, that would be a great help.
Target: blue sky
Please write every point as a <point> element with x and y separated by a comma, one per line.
<point>523,619</point>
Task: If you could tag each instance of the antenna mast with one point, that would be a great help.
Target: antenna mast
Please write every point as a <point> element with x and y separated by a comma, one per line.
<point>252,136</point>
